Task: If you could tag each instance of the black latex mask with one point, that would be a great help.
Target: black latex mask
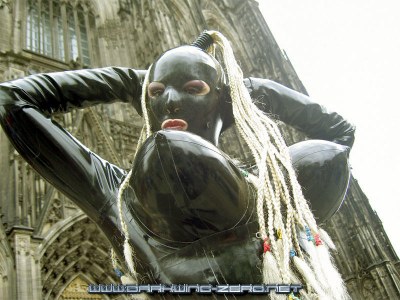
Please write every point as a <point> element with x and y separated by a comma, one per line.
<point>186,92</point>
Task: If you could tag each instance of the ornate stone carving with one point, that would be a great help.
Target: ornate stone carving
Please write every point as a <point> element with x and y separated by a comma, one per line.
<point>82,248</point>
<point>23,245</point>
<point>56,212</point>
<point>112,32</point>
<point>7,3</point>
<point>370,289</point>
<point>77,289</point>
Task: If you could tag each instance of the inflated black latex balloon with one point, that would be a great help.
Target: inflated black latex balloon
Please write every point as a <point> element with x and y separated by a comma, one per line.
<point>186,188</point>
<point>323,173</point>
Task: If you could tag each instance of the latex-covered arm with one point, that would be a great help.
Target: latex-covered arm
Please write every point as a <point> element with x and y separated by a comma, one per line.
<point>61,91</point>
<point>299,111</point>
<point>61,159</point>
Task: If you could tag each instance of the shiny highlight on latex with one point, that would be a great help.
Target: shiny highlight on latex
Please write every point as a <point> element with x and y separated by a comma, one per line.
<point>273,160</point>
<point>281,206</point>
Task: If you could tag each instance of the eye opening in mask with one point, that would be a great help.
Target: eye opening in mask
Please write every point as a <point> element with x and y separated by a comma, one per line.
<point>155,89</point>
<point>196,87</point>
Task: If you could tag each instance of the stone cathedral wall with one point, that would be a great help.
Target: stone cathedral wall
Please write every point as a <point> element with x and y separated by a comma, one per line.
<point>48,248</point>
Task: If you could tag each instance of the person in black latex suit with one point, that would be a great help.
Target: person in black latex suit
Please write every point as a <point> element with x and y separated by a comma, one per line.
<point>201,230</point>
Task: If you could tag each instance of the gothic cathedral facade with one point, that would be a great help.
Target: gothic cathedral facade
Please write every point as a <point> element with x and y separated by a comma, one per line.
<point>49,249</point>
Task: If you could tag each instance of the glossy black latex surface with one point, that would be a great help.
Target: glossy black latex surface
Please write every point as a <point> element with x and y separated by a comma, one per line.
<point>186,188</point>
<point>323,173</point>
<point>203,112</point>
<point>175,174</point>
<point>297,110</point>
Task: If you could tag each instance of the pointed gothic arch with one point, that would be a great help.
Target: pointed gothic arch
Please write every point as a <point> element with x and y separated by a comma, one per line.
<point>76,288</point>
<point>74,246</point>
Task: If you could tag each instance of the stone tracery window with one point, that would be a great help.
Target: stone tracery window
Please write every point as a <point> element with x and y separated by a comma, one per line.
<point>60,29</point>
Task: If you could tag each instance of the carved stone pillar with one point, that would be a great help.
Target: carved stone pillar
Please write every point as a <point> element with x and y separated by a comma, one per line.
<point>7,275</point>
<point>26,267</point>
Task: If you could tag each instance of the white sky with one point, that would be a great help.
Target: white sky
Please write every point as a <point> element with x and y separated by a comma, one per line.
<point>347,54</point>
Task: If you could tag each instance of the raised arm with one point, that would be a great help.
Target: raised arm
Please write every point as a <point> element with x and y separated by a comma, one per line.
<point>25,107</point>
<point>299,111</point>
<point>322,168</point>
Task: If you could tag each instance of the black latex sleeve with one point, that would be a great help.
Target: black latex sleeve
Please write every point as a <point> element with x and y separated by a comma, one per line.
<point>61,159</point>
<point>61,91</point>
<point>297,110</point>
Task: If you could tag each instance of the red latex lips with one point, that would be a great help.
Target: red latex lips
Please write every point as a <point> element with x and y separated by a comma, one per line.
<point>174,124</point>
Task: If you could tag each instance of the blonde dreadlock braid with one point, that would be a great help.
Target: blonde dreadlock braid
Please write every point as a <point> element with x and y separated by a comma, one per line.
<point>272,157</point>
<point>145,133</point>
